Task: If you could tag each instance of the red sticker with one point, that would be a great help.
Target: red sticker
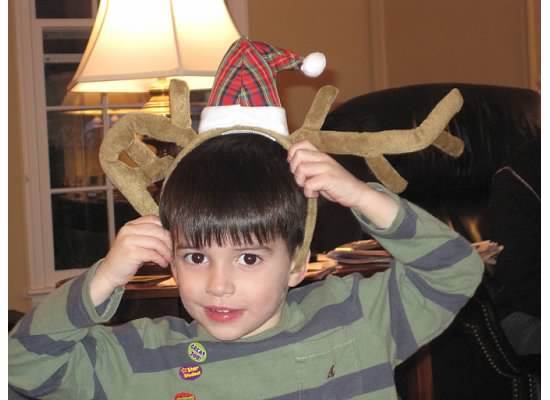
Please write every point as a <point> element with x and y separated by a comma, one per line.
<point>185,396</point>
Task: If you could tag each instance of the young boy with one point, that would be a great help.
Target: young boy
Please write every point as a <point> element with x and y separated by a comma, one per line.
<point>233,214</point>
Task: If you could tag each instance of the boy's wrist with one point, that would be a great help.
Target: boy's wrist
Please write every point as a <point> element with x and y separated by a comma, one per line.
<point>377,206</point>
<point>364,197</point>
<point>101,285</point>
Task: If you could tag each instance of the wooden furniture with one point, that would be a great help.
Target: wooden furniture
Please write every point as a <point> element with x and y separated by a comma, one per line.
<point>151,301</point>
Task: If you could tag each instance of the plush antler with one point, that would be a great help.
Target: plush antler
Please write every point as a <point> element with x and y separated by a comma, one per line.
<point>372,146</point>
<point>133,181</point>
<point>122,138</point>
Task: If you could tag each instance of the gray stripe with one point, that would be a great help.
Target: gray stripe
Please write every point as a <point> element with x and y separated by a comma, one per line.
<point>181,326</point>
<point>446,255</point>
<point>75,310</point>
<point>40,344</point>
<point>24,325</point>
<point>44,345</point>
<point>400,327</point>
<point>90,345</point>
<point>100,309</point>
<point>165,357</point>
<point>99,393</point>
<point>345,387</point>
<point>449,301</point>
<point>51,384</point>
<point>147,360</point>
<point>297,295</point>
<point>407,228</point>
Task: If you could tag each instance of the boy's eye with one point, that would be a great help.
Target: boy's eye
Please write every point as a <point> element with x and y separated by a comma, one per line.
<point>249,259</point>
<point>195,258</point>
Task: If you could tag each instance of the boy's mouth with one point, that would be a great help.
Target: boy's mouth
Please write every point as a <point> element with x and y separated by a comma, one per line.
<point>223,314</point>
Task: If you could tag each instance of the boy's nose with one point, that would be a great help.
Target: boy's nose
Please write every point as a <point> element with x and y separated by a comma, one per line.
<point>220,281</point>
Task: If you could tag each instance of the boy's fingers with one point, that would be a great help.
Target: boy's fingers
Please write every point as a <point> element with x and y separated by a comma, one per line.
<point>148,229</point>
<point>310,194</point>
<point>151,243</point>
<point>302,145</point>
<point>146,219</point>
<point>308,156</point>
<point>314,185</point>
<point>317,186</point>
<point>308,169</point>
<point>148,255</point>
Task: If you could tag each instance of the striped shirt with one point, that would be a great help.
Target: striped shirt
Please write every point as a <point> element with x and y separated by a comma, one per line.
<point>340,338</point>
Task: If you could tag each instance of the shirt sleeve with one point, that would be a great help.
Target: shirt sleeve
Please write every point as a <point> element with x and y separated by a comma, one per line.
<point>52,350</point>
<point>433,274</point>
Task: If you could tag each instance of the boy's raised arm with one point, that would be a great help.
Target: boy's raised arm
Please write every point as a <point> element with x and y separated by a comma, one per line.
<point>434,273</point>
<point>139,241</point>
<point>49,347</point>
<point>319,173</point>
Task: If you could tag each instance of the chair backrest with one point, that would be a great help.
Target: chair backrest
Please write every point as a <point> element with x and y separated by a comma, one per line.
<point>493,122</point>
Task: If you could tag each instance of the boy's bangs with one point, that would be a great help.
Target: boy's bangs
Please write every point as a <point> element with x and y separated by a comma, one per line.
<point>234,190</point>
<point>229,225</point>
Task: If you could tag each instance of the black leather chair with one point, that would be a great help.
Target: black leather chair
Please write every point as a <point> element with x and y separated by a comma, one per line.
<point>472,359</point>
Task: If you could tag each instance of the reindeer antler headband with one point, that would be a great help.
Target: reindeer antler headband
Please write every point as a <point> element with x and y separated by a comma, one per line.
<point>247,62</point>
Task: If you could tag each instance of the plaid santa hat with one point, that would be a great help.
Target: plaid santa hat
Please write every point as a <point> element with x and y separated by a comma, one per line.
<point>245,92</point>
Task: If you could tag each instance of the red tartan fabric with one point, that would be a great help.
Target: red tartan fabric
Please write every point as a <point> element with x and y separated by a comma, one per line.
<point>246,75</point>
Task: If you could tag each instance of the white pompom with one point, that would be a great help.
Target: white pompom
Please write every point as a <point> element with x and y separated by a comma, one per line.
<point>314,64</point>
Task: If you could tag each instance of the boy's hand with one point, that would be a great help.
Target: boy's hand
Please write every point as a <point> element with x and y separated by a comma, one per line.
<point>139,241</point>
<point>318,173</point>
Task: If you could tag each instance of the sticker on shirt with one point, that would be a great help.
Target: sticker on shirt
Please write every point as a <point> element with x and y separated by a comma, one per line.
<point>197,352</point>
<point>190,372</point>
<point>184,396</point>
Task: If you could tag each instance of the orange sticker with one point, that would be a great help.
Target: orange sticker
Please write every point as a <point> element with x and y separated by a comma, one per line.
<point>190,372</point>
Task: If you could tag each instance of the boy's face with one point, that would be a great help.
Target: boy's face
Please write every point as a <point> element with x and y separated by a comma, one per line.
<point>235,291</point>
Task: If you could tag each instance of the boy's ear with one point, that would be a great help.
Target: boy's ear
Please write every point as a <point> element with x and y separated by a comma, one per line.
<point>298,272</point>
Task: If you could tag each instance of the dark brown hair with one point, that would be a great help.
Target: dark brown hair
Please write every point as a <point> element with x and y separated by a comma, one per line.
<point>234,188</point>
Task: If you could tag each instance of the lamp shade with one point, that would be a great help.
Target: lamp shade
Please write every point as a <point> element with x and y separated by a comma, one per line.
<point>134,42</point>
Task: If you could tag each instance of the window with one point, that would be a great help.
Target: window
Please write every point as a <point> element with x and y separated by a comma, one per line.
<point>73,211</point>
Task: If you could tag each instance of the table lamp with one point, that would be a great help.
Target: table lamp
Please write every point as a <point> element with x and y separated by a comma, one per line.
<point>134,43</point>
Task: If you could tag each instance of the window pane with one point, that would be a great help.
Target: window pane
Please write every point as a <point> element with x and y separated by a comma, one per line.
<point>63,8</point>
<point>124,211</point>
<point>58,77</point>
<point>66,41</point>
<point>80,229</point>
<point>74,142</point>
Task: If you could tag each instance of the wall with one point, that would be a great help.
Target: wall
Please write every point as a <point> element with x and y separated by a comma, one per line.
<point>375,43</point>
<point>17,254</point>
<point>468,41</point>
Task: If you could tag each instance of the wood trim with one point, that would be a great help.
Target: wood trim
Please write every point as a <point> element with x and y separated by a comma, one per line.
<point>377,44</point>
<point>421,377</point>
<point>23,37</point>
<point>533,43</point>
